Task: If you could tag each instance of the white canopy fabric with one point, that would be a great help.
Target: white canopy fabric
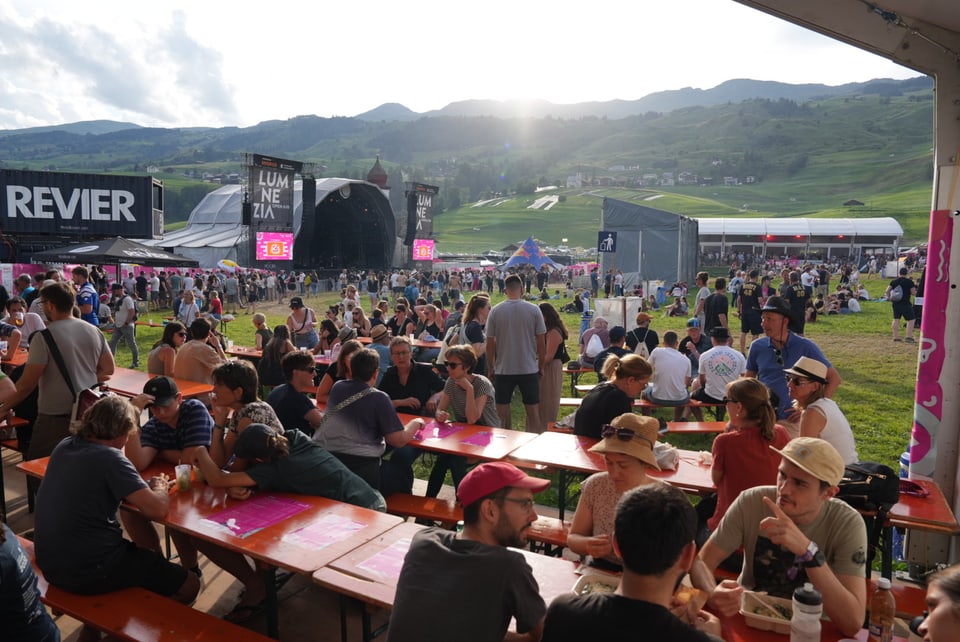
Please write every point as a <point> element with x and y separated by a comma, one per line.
<point>803,226</point>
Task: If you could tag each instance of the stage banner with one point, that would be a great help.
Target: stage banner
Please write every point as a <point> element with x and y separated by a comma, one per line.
<point>269,198</point>
<point>420,200</point>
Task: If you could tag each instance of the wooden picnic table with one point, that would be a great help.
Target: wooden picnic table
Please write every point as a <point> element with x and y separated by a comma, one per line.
<point>468,440</point>
<point>570,455</point>
<point>244,352</point>
<point>15,357</point>
<point>575,377</point>
<point>417,343</point>
<point>298,533</point>
<point>736,629</point>
<point>129,383</point>
<point>368,574</point>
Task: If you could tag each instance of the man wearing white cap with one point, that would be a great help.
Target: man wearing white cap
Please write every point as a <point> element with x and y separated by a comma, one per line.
<point>472,583</point>
<point>793,533</point>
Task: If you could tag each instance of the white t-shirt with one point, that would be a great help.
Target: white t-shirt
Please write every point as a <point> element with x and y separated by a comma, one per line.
<point>670,373</point>
<point>721,365</point>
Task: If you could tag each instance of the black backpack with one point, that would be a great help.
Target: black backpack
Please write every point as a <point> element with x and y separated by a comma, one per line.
<point>869,486</point>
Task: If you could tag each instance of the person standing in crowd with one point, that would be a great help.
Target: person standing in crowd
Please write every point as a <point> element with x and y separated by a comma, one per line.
<point>795,295</point>
<point>780,346</point>
<point>788,533</point>
<point>87,360</point>
<point>498,511</point>
<point>87,298</point>
<point>748,308</point>
<point>516,343</point>
<point>124,324</point>
<point>902,309</point>
<point>702,293</point>
<point>716,307</point>
<point>289,400</point>
<point>189,310</point>
<point>654,562</point>
<point>551,368</point>
<point>302,323</point>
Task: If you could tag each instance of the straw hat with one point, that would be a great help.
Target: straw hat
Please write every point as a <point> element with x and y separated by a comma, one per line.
<point>639,445</point>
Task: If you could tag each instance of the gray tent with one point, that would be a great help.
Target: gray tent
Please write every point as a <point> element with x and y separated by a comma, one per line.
<point>652,245</point>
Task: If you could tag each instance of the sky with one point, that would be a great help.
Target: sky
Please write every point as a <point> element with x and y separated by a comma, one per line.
<point>177,63</point>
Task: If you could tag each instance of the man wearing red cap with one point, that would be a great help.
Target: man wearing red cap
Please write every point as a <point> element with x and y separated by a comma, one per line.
<point>471,582</point>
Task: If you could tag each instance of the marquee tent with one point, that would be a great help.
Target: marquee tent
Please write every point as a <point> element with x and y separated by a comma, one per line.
<point>114,250</point>
<point>530,254</point>
<point>652,245</point>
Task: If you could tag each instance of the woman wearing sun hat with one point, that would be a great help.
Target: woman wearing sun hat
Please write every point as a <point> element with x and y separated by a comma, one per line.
<point>820,416</point>
<point>627,448</point>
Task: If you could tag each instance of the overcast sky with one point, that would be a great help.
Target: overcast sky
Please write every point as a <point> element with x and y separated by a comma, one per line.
<point>173,63</point>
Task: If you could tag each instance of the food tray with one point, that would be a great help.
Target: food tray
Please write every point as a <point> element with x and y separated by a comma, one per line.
<point>762,621</point>
<point>595,583</point>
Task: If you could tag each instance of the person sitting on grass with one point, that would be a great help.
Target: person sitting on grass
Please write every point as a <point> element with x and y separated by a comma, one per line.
<point>287,463</point>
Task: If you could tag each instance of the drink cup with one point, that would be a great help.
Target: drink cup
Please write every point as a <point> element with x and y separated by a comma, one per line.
<point>3,347</point>
<point>229,344</point>
<point>183,476</point>
<point>198,474</point>
<point>327,353</point>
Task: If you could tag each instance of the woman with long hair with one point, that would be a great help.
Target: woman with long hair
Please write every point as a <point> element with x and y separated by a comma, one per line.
<point>329,336</point>
<point>339,370</point>
<point>551,368</point>
<point>626,377</point>
<point>474,321</point>
<point>163,355</point>
<point>742,457</point>
<point>189,310</point>
<point>269,370</point>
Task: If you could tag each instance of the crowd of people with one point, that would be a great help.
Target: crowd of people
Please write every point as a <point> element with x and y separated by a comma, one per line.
<point>775,518</point>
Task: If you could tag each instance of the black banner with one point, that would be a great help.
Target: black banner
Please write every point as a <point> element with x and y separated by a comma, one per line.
<point>270,202</point>
<point>419,211</point>
<point>79,205</point>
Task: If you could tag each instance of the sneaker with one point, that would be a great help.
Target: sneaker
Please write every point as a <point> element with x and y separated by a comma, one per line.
<point>909,340</point>
<point>898,339</point>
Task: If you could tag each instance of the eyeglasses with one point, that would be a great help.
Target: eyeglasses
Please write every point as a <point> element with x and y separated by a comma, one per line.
<point>797,381</point>
<point>779,356</point>
<point>623,434</point>
<point>453,365</point>
<point>401,353</point>
<point>525,504</point>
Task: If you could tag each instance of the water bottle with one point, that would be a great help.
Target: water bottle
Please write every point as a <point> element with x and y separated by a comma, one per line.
<point>807,608</point>
<point>883,608</point>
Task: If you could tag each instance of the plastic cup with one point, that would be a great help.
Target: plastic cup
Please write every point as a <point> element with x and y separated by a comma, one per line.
<point>327,353</point>
<point>229,344</point>
<point>198,474</point>
<point>184,471</point>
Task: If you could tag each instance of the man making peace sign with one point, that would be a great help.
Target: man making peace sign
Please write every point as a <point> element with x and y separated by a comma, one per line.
<point>793,533</point>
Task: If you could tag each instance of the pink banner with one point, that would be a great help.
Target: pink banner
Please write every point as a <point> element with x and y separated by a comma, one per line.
<point>928,403</point>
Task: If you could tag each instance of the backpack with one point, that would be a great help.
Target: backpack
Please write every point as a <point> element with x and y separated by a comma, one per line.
<point>896,294</point>
<point>869,486</point>
<point>594,346</point>
<point>641,348</point>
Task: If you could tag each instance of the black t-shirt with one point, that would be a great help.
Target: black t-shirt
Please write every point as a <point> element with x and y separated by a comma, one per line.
<point>600,407</point>
<point>714,305</point>
<point>907,285</point>
<point>606,616</point>
<point>421,384</point>
<point>291,407</point>
<point>400,329</point>
<point>749,297</point>
<point>647,335</point>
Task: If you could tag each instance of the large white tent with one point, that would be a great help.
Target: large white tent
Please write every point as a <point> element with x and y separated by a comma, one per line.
<point>827,237</point>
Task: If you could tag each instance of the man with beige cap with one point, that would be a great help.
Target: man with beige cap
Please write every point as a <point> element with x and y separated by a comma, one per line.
<point>793,533</point>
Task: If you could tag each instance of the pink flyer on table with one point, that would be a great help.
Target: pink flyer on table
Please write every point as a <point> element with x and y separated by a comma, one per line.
<point>484,438</point>
<point>436,430</point>
<point>327,530</point>
<point>389,561</point>
<point>261,512</point>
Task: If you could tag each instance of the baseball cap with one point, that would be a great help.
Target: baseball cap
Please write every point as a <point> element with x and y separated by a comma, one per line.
<point>490,477</point>
<point>163,389</point>
<point>296,302</point>
<point>693,322</point>
<point>815,456</point>
<point>617,333</point>
<point>809,368</point>
<point>639,445</point>
<point>643,317</point>
<point>254,442</point>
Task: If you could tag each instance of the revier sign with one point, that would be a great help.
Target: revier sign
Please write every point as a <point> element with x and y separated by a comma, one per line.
<point>61,204</point>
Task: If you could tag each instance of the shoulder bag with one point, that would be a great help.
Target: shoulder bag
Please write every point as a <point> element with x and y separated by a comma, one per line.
<point>641,348</point>
<point>86,397</point>
<point>343,404</point>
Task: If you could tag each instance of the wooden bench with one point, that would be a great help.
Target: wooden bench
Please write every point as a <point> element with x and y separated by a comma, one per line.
<point>9,444</point>
<point>547,532</point>
<point>139,615</point>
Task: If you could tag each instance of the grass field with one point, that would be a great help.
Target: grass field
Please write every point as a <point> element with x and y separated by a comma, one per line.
<point>879,376</point>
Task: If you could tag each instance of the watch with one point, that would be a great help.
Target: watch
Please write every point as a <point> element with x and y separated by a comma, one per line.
<point>813,557</point>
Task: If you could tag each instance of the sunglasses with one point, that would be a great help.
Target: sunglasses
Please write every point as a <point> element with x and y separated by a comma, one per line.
<point>623,434</point>
<point>797,381</point>
<point>453,365</point>
<point>779,356</point>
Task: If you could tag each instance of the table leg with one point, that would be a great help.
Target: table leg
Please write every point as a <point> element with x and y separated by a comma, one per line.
<point>574,379</point>
<point>343,617</point>
<point>562,484</point>
<point>886,553</point>
<point>273,615</point>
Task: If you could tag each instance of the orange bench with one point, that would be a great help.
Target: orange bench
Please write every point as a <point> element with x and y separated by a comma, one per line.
<point>139,615</point>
